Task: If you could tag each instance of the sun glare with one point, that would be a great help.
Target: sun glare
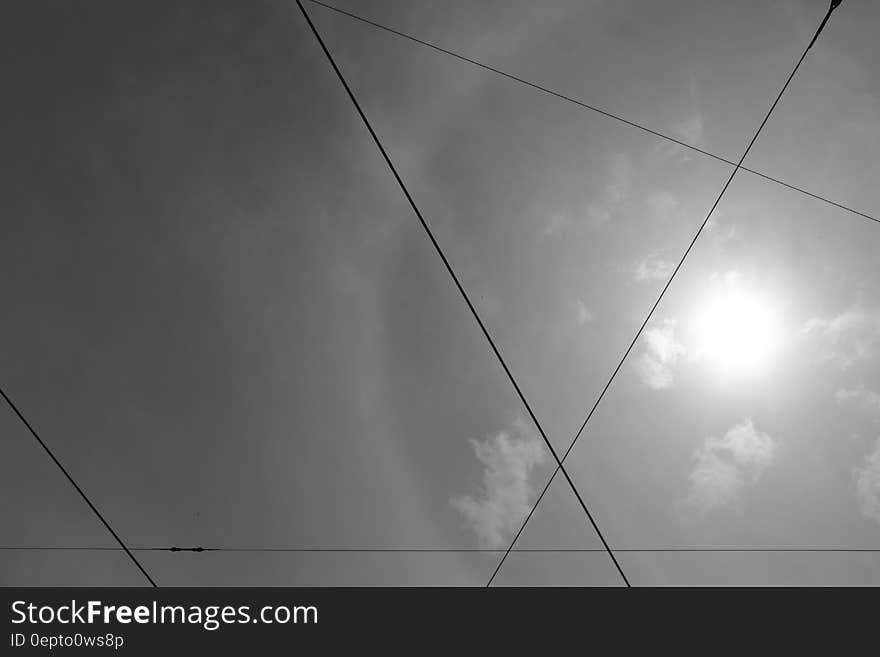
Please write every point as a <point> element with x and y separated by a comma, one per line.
<point>736,330</point>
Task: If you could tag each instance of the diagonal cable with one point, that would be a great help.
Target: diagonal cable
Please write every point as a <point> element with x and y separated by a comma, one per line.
<point>76,486</point>
<point>470,305</point>
<point>592,108</point>
<point>684,256</point>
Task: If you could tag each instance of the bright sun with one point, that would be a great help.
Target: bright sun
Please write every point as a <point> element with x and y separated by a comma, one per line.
<point>736,330</point>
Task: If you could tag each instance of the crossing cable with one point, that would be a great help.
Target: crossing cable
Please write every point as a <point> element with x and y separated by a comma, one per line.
<point>833,6</point>
<point>461,290</point>
<point>76,486</point>
<point>592,108</point>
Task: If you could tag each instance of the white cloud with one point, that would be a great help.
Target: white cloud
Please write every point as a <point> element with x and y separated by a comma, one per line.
<point>865,400</point>
<point>720,228</point>
<point>616,193</point>
<point>652,268</point>
<point>868,484</point>
<point>846,338</point>
<point>583,315</point>
<point>728,279</point>
<point>690,130</point>
<point>598,214</point>
<point>618,188</point>
<point>556,223</point>
<point>508,459</point>
<point>724,467</point>
<point>663,204</point>
<point>655,366</point>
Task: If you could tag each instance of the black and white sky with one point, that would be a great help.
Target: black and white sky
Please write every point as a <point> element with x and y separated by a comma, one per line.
<point>221,314</point>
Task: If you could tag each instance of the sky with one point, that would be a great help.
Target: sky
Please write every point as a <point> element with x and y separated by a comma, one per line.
<point>223,317</point>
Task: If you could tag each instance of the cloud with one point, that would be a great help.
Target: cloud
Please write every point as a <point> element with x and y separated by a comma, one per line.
<point>583,315</point>
<point>728,279</point>
<point>720,229</point>
<point>556,223</point>
<point>724,467</point>
<point>508,459</point>
<point>607,201</point>
<point>846,338</point>
<point>652,268</point>
<point>618,188</point>
<point>868,484</point>
<point>663,352</point>
<point>689,130</point>
<point>598,214</point>
<point>865,400</point>
<point>615,195</point>
<point>663,204</point>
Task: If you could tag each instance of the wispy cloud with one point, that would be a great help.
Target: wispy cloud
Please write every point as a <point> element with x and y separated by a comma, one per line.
<point>868,484</point>
<point>689,129</point>
<point>652,268</point>
<point>724,467</point>
<point>662,352</point>
<point>846,338</point>
<point>583,315</point>
<point>720,229</point>
<point>608,200</point>
<point>864,400</point>
<point>556,223</point>
<point>616,193</point>
<point>663,204</point>
<point>618,188</point>
<point>598,214</point>
<point>508,459</point>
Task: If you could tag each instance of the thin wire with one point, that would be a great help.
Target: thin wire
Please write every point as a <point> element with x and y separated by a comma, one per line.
<point>665,287</point>
<point>200,549</point>
<point>76,486</point>
<point>461,289</point>
<point>592,108</point>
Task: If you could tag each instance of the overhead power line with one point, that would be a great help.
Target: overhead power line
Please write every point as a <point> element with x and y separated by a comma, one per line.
<point>461,289</point>
<point>592,108</point>
<point>666,286</point>
<point>76,486</point>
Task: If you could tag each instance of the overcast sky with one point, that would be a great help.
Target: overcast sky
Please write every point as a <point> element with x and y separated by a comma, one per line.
<point>225,320</point>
